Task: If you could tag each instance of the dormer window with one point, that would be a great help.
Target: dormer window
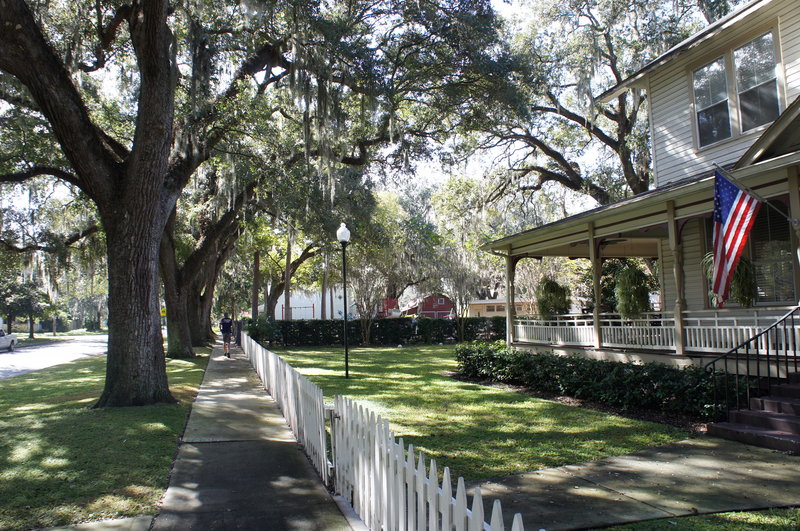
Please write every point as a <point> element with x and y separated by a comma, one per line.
<point>721,113</point>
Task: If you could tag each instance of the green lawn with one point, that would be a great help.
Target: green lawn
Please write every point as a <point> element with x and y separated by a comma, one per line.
<point>478,431</point>
<point>769,520</point>
<point>62,463</point>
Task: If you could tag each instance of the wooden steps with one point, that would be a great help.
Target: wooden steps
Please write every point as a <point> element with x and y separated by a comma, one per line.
<point>771,422</point>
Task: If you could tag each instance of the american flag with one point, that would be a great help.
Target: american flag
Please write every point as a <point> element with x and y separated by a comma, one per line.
<point>734,214</point>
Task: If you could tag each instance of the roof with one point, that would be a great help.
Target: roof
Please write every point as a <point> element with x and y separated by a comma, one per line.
<point>636,225</point>
<point>688,44</point>
<point>597,212</point>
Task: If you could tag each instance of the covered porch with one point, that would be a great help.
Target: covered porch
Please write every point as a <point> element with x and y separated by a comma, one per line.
<point>668,225</point>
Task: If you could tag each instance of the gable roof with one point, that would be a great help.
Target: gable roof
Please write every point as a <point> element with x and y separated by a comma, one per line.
<point>688,44</point>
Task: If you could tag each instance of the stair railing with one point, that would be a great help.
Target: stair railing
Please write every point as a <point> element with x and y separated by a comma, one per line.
<point>774,349</point>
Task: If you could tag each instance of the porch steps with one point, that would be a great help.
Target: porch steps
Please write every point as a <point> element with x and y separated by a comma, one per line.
<point>777,440</point>
<point>772,422</point>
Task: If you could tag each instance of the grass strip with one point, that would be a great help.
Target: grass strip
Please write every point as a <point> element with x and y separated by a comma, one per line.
<point>63,463</point>
<point>480,432</point>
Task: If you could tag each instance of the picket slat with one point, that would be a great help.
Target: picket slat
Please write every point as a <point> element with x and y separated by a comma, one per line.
<point>460,507</point>
<point>385,483</point>
<point>476,522</point>
<point>445,500</point>
<point>433,497</point>
<point>496,523</point>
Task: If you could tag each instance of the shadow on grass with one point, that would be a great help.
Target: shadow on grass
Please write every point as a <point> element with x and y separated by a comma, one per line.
<point>61,462</point>
<point>478,431</point>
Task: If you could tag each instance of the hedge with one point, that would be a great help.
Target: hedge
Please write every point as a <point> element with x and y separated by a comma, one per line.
<point>653,386</point>
<point>398,331</point>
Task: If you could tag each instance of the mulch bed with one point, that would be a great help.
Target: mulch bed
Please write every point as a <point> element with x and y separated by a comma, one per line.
<point>690,424</point>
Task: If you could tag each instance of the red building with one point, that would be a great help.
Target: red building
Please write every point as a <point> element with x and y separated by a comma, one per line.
<point>436,306</point>
<point>386,307</point>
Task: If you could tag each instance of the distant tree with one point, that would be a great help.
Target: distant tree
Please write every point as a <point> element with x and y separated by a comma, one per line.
<point>461,280</point>
<point>22,299</point>
<point>544,124</point>
<point>552,298</point>
<point>632,291</point>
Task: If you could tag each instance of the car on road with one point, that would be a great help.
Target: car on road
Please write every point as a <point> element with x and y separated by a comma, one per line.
<point>7,341</point>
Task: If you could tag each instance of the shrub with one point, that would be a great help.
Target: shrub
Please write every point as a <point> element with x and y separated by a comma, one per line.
<point>389,332</point>
<point>551,298</point>
<point>632,292</point>
<point>654,386</point>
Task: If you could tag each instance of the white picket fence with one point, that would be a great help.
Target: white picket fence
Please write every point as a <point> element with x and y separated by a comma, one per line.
<point>387,485</point>
<point>300,401</point>
<point>390,489</point>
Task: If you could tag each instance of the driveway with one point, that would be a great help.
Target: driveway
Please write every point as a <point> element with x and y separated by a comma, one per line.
<point>36,357</point>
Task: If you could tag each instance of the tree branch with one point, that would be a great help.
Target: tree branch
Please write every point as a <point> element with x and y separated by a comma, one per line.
<point>36,171</point>
<point>49,248</point>
<point>106,36</point>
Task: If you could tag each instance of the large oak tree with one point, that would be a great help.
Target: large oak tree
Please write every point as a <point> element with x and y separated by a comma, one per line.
<point>187,75</point>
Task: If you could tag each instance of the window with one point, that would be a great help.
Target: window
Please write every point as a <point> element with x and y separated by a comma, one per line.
<point>490,308</point>
<point>756,82</point>
<point>711,103</point>
<point>769,248</point>
<point>440,301</point>
<point>500,308</point>
<point>751,69</point>
<point>771,252</point>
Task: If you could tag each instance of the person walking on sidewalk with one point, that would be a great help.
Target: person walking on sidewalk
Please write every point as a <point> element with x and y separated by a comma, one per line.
<point>226,327</point>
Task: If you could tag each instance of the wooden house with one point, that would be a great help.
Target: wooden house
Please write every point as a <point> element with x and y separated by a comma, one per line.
<point>728,95</point>
<point>434,306</point>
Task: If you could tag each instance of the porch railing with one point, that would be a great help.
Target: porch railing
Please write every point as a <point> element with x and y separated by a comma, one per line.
<point>651,331</point>
<point>704,331</point>
<point>560,330</point>
<point>750,368</point>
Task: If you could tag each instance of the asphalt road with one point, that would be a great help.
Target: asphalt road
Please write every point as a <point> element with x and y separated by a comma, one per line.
<point>36,357</point>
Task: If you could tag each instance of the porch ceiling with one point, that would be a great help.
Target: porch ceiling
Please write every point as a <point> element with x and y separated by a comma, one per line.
<point>619,247</point>
<point>634,226</point>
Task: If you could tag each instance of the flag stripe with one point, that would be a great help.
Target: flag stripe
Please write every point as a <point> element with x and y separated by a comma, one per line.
<point>734,214</point>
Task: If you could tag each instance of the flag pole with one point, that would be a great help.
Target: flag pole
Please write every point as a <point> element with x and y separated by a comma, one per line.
<point>795,222</point>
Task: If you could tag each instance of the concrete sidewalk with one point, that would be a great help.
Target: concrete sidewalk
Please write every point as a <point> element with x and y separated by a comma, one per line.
<point>695,476</point>
<point>239,466</point>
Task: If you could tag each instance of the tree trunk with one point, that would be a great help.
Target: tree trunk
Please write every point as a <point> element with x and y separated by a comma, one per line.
<point>30,327</point>
<point>256,283</point>
<point>324,287</point>
<point>287,296</point>
<point>271,300</point>
<point>179,339</point>
<point>136,369</point>
<point>366,330</point>
<point>194,305</point>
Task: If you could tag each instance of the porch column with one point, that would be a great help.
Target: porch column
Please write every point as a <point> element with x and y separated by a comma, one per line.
<point>511,308</point>
<point>596,271</point>
<point>676,247</point>
<point>794,213</point>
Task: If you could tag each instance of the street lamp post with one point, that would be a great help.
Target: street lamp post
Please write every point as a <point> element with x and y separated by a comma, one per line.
<point>343,235</point>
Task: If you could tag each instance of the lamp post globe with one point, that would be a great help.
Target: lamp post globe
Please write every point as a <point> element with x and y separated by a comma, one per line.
<point>343,235</point>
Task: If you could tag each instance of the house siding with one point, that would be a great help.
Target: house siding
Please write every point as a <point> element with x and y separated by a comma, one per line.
<point>671,96</point>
